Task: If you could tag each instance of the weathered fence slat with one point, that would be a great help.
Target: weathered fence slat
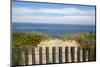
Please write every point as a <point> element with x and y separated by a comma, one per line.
<point>54,55</point>
<point>40,55</point>
<point>12,57</point>
<point>26,56</point>
<point>73,54</point>
<point>19,56</point>
<point>89,54</point>
<point>66,55</point>
<point>84,54</point>
<point>78,54</point>
<point>33,56</point>
<point>47,55</point>
<point>95,54</point>
<point>60,54</point>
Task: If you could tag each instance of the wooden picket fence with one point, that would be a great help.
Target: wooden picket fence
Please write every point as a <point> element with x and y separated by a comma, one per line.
<point>86,55</point>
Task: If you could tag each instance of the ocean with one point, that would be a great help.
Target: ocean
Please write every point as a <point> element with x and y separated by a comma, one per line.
<point>52,29</point>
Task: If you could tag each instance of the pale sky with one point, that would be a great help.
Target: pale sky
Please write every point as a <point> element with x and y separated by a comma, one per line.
<point>32,12</point>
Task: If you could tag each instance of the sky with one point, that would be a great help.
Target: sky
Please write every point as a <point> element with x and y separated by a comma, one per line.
<point>32,12</point>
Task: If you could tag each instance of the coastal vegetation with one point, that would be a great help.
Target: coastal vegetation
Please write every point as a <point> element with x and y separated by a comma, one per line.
<point>32,39</point>
<point>84,39</point>
<point>21,39</point>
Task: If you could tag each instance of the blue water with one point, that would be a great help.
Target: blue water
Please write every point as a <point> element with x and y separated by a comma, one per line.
<point>52,29</point>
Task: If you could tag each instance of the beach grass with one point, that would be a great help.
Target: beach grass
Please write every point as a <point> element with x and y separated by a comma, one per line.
<point>22,39</point>
<point>25,39</point>
<point>33,39</point>
<point>84,39</point>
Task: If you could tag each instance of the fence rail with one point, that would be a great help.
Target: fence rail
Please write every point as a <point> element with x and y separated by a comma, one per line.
<point>71,54</point>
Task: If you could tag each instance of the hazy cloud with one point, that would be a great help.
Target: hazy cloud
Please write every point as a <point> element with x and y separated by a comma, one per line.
<point>55,19</point>
<point>67,15</point>
<point>65,11</point>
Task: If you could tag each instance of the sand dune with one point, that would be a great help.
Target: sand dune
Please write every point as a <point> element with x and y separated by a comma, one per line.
<point>58,43</point>
<point>53,43</point>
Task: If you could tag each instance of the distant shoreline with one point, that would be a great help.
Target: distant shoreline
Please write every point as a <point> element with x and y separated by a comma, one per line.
<point>58,35</point>
<point>52,29</point>
<point>50,23</point>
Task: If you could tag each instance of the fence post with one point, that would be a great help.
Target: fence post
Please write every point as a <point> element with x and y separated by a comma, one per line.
<point>73,54</point>
<point>19,56</point>
<point>89,54</point>
<point>84,54</point>
<point>26,56</point>
<point>40,55</point>
<point>12,57</point>
<point>60,54</point>
<point>47,55</point>
<point>78,54</point>
<point>95,53</point>
<point>54,55</point>
<point>66,55</point>
<point>33,56</point>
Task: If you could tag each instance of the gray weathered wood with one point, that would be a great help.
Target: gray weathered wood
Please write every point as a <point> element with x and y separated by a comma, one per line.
<point>73,54</point>
<point>84,53</point>
<point>78,54</point>
<point>54,55</point>
<point>33,56</point>
<point>60,54</point>
<point>26,56</point>
<point>19,56</point>
<point>40,55</point>
<point>12,57</point>
<point>89,54</point>
<point>94,53</point>
<point>66,55</point>
<point>47,55</point>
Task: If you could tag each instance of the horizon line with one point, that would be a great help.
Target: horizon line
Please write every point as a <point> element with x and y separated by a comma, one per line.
<point>52,23</point>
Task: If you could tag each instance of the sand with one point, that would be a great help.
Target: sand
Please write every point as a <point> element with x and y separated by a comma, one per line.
<point>54,43</point>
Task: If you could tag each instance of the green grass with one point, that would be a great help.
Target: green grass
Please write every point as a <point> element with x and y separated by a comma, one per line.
<point>21,39</point>
<point>32,39</point>
<point>24,39</point>
<point>84,39</point>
